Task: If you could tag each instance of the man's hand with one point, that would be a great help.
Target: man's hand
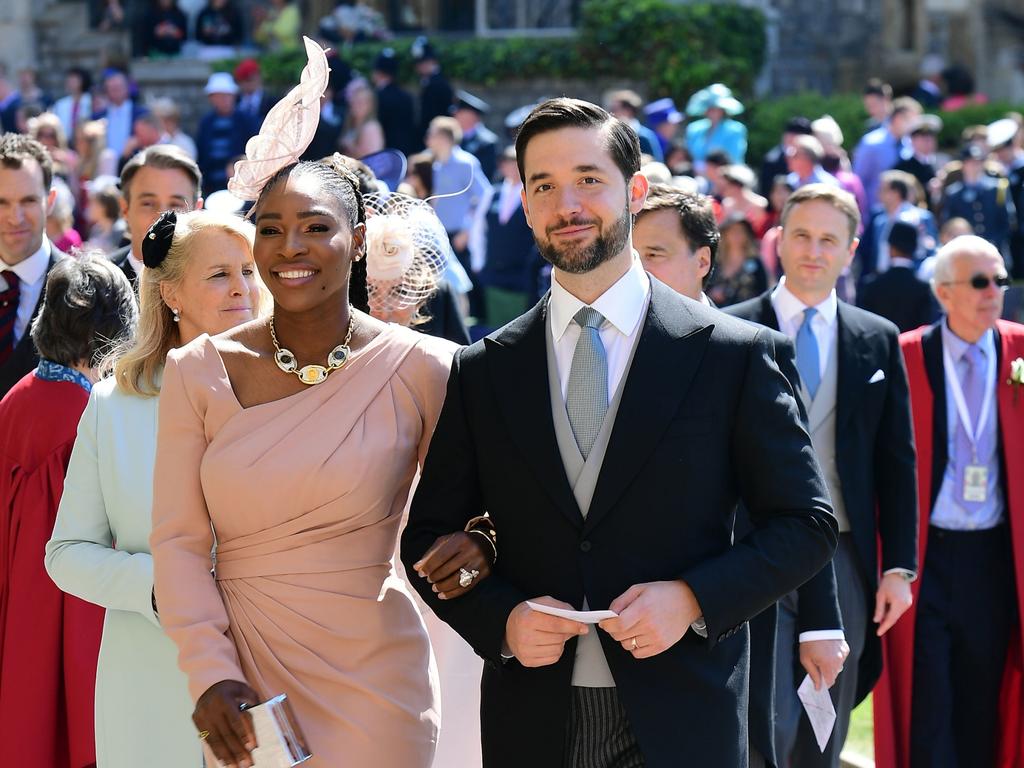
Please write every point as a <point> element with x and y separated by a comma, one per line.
<point>460,240</point>
<point>652,617</point>
<point>891,601</point>
<point>823,660</point>
<point>538,639</point>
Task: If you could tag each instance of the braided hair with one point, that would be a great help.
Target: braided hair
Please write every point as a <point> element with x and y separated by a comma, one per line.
<point>343,185</point>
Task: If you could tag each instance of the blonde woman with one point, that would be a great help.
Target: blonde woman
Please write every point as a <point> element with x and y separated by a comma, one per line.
<point>49,131</point>
<point>199,278</point>
<point>363,134</point>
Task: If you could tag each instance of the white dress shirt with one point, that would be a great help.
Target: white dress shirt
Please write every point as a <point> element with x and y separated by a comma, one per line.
<point>32,275</point>
<point>623,307</point>
<point>136,264</point>
<point>790,313</point>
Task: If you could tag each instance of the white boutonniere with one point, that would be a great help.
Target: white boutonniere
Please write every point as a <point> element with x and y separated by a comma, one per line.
<point>1016,379</point>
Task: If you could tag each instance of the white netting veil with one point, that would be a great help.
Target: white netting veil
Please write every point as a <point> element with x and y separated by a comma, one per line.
<point>407,251</point>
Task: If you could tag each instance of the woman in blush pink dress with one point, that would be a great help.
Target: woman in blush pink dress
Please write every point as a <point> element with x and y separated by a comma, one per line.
<point>292,442</point>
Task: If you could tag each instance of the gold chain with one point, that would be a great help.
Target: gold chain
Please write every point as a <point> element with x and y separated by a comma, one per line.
<point>313,374</point>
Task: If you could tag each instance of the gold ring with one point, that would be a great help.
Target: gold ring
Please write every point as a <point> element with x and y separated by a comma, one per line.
<point>203,735</point>
<point>634,646</point>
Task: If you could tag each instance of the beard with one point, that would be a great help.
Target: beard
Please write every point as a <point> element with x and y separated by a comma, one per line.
<point>578,258</point>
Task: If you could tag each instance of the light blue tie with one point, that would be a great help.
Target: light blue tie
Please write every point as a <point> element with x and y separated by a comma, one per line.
<point>808,362</point>
<point>586,396</point>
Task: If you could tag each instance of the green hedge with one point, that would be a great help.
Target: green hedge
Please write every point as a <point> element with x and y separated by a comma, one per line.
<point>765,119</point>
<point>676,49</point>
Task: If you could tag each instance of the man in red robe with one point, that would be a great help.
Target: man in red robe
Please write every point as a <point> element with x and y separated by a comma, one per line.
<point>951,692</point>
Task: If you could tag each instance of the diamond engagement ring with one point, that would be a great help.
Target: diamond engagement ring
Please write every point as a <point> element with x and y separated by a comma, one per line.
<point>466,577</point>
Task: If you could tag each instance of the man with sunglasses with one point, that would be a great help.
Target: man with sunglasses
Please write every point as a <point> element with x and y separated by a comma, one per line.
<point>956,658</point>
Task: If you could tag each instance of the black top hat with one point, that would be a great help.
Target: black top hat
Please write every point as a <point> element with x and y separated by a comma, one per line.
<point>798,125</point>
<point>386,62</point>
<point>466,100</point>
<point>903,238</point>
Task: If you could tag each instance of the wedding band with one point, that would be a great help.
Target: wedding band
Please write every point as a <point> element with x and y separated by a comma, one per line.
<point>633,646</point>
<point>466,577</point>
<point>203,735</point>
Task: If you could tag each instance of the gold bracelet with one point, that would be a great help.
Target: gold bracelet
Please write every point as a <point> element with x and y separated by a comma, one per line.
<point>494,547</point>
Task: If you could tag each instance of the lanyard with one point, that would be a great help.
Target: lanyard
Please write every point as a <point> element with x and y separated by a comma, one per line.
<point>973,432</point>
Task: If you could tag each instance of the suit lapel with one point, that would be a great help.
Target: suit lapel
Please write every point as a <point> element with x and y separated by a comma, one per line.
<point>668,354</point>
<point>853,356</point>
<point>931,349</point>
<point>767,311</point>
<point>517,362</point>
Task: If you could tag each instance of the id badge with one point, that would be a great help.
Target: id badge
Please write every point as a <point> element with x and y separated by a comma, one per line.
<point>975,482</point>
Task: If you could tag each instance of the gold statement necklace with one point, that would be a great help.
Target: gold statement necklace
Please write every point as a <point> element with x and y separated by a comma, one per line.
<point>312,374</point>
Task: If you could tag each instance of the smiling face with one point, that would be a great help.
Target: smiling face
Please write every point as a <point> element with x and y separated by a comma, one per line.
<point>219,289</point>
<point>576,199</point>
<point>815,245</point>
<point>23,206</point>
<point>304,244</point>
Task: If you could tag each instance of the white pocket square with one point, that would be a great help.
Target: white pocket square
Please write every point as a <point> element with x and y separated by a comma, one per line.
<point>877,376</point>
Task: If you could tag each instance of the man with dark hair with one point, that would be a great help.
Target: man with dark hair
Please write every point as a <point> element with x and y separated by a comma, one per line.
<point>859,423</point>
<point>877,98</point>
<point>924,141</point>
<point>676,235</point>
<point>880,149</point>
<point>774,163</point>
<point>896,192</point>
<point>159,178</point>
<point>395,106</point>
<point>477,138</point>
<point>26,254</point>
<point>897,294</point>
<point>435,91</point>
<point>576,428</point>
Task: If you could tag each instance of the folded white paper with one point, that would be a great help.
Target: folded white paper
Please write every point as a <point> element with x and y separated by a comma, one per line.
<point>584,617</point>
<point>820,710</point>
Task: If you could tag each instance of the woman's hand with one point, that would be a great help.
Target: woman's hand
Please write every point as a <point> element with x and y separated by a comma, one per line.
<point>224,725</point>
<point>445,561</point>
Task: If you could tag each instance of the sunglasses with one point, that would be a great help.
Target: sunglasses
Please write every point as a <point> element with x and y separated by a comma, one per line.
<point>980,282</point>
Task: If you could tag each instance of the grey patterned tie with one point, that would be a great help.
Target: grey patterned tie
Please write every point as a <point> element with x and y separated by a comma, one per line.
<point>586,397</point>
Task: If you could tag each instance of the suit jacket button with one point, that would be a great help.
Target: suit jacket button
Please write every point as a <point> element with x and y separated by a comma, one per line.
<point>584,546</point>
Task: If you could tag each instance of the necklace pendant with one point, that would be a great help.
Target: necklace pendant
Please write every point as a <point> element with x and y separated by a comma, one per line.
<point>312,374</point>
<point>338,357</point>
<point>285,360</point>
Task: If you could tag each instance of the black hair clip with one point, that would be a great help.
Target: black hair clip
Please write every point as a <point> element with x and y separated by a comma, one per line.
<point>158,239</point>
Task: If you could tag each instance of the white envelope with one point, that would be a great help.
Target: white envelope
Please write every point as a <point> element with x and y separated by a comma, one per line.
<point>584,617</point>
<point>878,375</point>
<point>820,710</point>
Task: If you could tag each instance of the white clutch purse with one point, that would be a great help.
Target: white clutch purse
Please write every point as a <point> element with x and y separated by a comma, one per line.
<point>280,743</point>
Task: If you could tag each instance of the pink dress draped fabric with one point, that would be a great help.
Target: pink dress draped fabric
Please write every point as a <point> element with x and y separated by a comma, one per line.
<point>305,496</point>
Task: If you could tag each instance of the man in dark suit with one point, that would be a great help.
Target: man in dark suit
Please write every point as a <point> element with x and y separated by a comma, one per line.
<point>924,141</point>
<point>897,294</point>
<point>253,101</point>
<point>435,92</point>
<point>26,254</point>
<point>587,429</point>
<point>395,107</point>
<point>160,178</point>
<point>854,385</point>
<point>477,138</point>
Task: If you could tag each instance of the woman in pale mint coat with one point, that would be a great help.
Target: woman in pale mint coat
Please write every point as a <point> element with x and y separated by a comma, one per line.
<point>199,278</point>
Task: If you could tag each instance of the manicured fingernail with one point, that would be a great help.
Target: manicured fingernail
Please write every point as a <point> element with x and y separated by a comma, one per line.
<point>442,595</point>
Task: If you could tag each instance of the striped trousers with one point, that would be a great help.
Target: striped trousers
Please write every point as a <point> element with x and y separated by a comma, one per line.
<point>598,734</point>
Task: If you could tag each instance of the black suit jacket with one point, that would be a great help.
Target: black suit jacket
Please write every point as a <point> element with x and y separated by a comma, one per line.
<point>120,259</point>
<point>24,358</point>
<point>875,458</point>
<point>396,111</point>
<point>705,420</point>
<point>484,145</point>
<point>898,295</point>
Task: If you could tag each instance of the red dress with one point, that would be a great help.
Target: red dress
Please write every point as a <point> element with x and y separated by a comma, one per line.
<point>49,641</point>
<point>892,695</point>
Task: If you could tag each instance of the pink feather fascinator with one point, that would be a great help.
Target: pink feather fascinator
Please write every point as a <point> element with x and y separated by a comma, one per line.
<point>287,129</point>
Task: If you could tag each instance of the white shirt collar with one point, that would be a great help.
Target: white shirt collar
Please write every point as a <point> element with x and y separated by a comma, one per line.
<point>958,347</point>
<point>790,307</point>
<point>621,305</point>
<point>137,264</point>
<point>31,270</point>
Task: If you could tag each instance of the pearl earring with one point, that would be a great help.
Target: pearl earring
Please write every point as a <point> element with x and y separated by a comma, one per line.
<point>177,314</point>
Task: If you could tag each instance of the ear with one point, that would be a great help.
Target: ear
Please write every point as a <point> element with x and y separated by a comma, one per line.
<point>123,202</point>
<point>703,256</point>
<point>638,186</point>
<point>358,241</point>
<point>169,294</point>
<point>199,204</point>
<point>51,198</point>
<point>526,206</point>
<point>853,251</point>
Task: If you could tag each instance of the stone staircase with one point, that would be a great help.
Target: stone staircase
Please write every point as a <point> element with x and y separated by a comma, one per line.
<point>64,39</point>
